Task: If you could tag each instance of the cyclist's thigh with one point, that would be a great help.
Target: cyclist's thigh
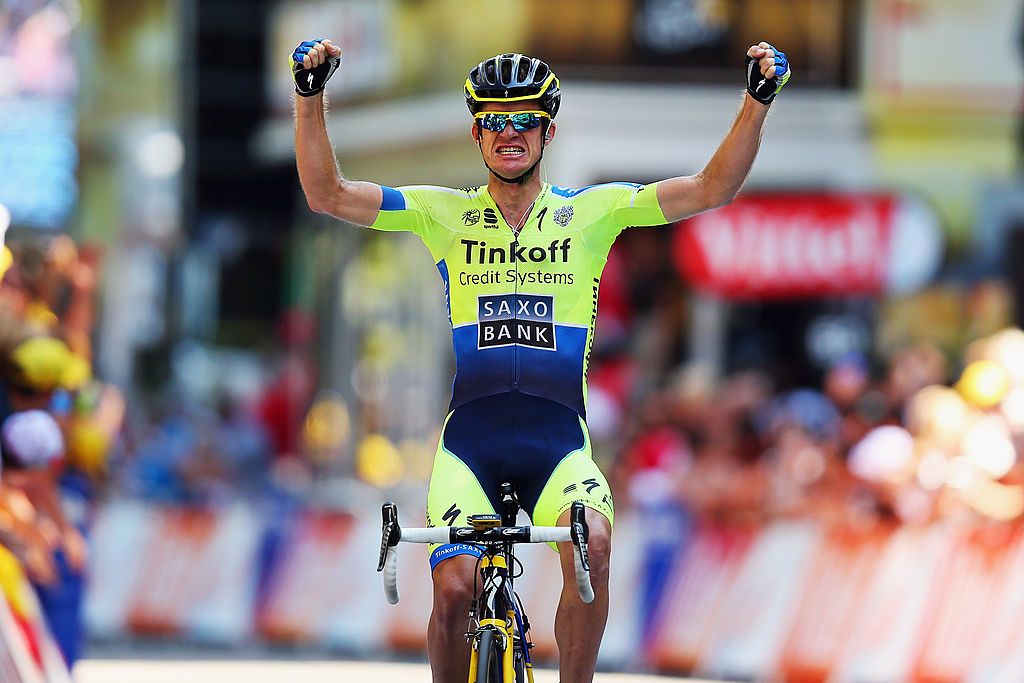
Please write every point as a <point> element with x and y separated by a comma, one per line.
<point>576,478</point>
<point>454,494</point>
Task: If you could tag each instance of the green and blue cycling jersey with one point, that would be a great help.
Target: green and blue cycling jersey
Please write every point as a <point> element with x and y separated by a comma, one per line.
<point>522,308</point>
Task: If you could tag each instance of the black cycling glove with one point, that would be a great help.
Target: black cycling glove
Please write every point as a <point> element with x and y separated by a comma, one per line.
<point>309,82</point>
<point>764,89</point>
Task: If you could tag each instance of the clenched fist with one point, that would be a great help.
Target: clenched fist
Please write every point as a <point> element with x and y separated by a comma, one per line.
<point>313,63</point>
<point>767,71</point>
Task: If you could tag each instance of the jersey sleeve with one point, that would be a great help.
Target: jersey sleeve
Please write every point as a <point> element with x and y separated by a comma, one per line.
<point>621,205</point>
<point>411,209</point>
<point>637,206</point>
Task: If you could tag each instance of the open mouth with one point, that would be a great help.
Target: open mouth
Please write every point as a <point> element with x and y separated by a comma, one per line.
<point>511,151</point>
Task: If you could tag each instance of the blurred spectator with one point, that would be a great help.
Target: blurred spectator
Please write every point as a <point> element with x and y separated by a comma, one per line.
<point>284,401</point>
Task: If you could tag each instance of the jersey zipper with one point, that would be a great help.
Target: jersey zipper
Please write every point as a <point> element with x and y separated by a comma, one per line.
<point>514,385</point>
<point>515,319</point>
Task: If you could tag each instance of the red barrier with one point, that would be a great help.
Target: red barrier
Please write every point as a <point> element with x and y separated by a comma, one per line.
<point>843,564</point>
<point>1001,655</point>
<point>757,607</point>
<point>407,621</point>
<point>789,601</point>
<point>300,597</point>
<point>691,605</point>
<point>963,601</point>
<point>885,633</point>
<point>197,575</point>
<point>175,550</point>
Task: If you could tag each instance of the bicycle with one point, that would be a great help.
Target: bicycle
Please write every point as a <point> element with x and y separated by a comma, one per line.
<point>498,626</point>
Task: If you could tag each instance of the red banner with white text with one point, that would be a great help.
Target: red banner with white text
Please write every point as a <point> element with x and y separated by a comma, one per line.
<point>811,245</point>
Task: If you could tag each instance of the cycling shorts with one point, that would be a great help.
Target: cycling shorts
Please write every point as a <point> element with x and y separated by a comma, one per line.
<point>539,446</point>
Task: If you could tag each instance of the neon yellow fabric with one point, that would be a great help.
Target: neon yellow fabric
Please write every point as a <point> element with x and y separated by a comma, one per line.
<point>522,307</point>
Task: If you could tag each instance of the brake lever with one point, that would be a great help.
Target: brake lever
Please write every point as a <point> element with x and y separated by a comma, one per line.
<point>580,533</point>
<point>390,532</point>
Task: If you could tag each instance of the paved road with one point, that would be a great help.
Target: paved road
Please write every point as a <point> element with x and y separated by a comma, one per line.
<point>150,671</point>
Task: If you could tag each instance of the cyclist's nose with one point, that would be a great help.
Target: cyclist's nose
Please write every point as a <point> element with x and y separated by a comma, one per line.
<point>508,131</point>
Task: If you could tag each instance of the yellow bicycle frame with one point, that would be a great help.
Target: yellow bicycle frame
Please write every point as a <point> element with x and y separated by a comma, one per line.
<point>506,626</point>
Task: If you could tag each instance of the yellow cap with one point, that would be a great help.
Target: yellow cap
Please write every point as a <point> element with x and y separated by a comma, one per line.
<point>88,446</point>
<point>45,363</point>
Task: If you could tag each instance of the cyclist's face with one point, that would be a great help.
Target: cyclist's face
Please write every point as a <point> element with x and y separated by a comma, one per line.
<point>509,152</point>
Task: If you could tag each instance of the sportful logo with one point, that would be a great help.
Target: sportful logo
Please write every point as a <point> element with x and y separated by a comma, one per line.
<point>490,218</point>
<point>562,215</point>
<point>471,217</point>
<point>524,319</point>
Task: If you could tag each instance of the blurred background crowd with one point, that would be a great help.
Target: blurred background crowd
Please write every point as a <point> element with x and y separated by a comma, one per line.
<point>176,327</point>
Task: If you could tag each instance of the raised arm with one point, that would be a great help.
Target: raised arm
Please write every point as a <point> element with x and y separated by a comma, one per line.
<point>721,179</point>
<point>326,189</point>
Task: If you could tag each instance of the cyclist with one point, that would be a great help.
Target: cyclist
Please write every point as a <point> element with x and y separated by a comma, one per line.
<point>521,261</point>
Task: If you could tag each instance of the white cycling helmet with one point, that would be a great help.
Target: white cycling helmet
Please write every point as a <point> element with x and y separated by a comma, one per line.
<point>32,439</point>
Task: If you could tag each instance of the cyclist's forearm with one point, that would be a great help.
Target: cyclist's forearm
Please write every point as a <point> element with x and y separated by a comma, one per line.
<point>327,190</point>
<point>725,173</point>
<point>321,180</point>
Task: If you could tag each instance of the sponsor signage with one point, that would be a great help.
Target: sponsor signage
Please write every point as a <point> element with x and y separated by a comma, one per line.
<point>526,319</point>
<point>765,246</point>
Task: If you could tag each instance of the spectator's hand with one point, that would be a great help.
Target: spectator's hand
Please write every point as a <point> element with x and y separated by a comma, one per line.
<point>82,277</point>
<point>767,71</point>
<point>39,565</point>
<point>313,63</point>
<point>75,549</point>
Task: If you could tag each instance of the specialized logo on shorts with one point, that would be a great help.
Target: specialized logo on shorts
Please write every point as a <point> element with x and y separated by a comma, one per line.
<point>490,218</point>
<point>471,217</point>
<point>525,319</point>
<point>562,215</point>
<point>451,515</point>
<point>590,484</point>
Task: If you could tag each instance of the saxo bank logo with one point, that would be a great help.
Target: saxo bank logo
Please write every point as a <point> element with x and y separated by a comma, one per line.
<point>525,319</point>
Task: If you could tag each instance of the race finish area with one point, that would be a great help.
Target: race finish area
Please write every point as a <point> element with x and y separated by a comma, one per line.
<point>253,671</point>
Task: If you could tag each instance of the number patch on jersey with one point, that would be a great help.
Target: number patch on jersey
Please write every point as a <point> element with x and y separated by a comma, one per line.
<point>525,319</point>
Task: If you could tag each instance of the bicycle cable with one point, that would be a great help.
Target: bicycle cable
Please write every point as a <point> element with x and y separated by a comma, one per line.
<point>516,562</point>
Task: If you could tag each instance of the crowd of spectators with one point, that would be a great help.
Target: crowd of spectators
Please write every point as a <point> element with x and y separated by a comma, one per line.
<point>909,436</point>
<point>57,427</point>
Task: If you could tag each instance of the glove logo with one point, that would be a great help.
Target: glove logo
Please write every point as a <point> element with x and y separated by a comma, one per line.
<point>309,81</point>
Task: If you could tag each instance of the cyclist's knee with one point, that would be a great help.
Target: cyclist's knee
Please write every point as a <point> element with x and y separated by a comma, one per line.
<point>453,588</point>
<point>599,548</point>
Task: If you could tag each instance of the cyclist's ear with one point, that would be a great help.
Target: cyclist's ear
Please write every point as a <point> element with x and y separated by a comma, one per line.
<point>475,132</point>
<point>549,134</point>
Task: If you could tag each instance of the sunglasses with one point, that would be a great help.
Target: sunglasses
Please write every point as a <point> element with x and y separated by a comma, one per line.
<point>520,120</point>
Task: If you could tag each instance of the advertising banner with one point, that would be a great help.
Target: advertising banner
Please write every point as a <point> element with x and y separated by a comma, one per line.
<point>791,600</point>
<point>814,245</point>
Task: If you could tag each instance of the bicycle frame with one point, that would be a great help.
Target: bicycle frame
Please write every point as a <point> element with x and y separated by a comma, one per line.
<point>496,612</point>
<point>497,608</point>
